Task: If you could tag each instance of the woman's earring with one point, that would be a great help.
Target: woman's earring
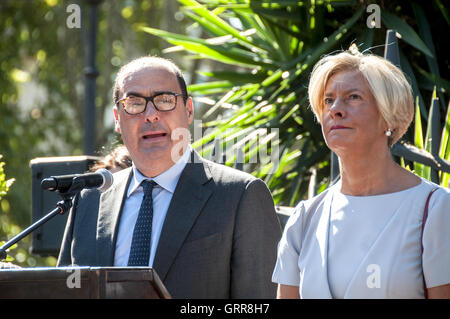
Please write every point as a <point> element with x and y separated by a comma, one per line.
<point>388,132</point>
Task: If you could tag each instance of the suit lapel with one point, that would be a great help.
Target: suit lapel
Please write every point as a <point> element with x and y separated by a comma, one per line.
<point>110,207</point>
<point>191,194</point>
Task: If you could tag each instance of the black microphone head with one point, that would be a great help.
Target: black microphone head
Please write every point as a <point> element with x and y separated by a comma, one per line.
<point>108,179</point>
<point>49,184</point>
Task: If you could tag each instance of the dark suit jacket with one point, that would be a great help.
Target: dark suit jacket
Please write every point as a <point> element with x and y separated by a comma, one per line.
<point>219,238</point>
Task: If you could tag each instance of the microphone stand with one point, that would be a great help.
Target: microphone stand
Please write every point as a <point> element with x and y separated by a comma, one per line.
<point>61,208</point>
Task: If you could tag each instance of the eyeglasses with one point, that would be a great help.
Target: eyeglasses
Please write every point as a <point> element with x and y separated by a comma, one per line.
<point>163,102</point>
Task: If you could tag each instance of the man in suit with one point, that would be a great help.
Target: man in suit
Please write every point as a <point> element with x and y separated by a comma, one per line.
<point>214,230</point>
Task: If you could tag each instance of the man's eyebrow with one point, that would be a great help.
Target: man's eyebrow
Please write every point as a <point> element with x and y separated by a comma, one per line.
<point>141,95</point>
<point>132,93</point>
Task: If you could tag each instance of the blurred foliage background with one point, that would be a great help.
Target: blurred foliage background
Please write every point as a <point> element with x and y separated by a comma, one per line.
<point>42,87</point>
<point>247,63</point>
<point>273,46</point>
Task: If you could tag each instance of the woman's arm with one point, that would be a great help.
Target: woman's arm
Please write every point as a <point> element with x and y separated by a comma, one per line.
<point>439,292</point>
<point>288,292</point>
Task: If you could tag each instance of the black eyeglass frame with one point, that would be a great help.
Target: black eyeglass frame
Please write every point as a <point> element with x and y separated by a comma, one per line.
<point>150,98</point>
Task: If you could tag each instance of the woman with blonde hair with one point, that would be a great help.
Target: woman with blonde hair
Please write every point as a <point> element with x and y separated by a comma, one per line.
<point>381,231</point>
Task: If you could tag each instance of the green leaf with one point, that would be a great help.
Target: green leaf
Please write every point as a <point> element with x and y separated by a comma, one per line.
<point>264,37</point>
<point>444,149</point>
<point>206,14</point>
<point>235,77</point>
<point>443,10</point>
<point>327,45</point>
<point>407,69</point>
<point>436,80</point>
<point>418,138</point>
<point>212,28</point>
<point>282,14</point>
<point>221,53</point>
<point>209,85</point>
<point>408,34</point>
<point>425,33</point>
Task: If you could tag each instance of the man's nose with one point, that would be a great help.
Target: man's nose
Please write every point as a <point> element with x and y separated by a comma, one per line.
<point>151,113</point>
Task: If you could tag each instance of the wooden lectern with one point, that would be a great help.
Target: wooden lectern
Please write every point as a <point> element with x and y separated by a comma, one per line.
<point>82,283</point>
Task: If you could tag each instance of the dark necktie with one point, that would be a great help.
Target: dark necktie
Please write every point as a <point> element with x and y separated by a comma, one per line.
<point>142,234</point>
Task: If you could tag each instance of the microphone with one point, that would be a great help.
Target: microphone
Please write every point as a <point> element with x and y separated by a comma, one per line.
<point>102,179</point>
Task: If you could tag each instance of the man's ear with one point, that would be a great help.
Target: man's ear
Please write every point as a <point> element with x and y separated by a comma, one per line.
<point>116,120</point>
<point>190,109</point>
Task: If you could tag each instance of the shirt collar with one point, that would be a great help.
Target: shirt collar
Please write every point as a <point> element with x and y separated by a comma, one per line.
<point>167,179</point>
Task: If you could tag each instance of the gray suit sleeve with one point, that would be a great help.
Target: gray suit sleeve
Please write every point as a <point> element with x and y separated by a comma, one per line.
<point>255,239</point>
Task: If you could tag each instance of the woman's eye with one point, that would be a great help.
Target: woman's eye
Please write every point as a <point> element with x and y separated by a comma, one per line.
<point>354,97</point>
<point>328,100</point>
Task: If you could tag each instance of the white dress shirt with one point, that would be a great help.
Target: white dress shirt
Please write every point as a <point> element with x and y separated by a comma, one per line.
<point>162,195</point>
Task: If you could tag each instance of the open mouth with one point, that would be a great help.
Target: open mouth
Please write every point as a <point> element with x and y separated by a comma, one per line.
<point>152,135</point>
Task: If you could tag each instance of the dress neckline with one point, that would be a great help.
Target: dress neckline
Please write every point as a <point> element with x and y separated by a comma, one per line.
<point>338,192</point>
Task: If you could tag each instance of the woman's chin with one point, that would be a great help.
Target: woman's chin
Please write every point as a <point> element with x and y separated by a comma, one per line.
<point>339,145</point>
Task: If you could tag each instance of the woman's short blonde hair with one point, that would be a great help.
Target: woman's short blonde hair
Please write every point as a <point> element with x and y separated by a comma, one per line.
<point>387,83</point>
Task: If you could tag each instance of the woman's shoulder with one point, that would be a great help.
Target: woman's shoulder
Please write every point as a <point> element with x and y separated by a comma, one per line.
<point>441,193</point>
<point>317,200</point>
<point>440,199</point>
<point>308,208</point>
